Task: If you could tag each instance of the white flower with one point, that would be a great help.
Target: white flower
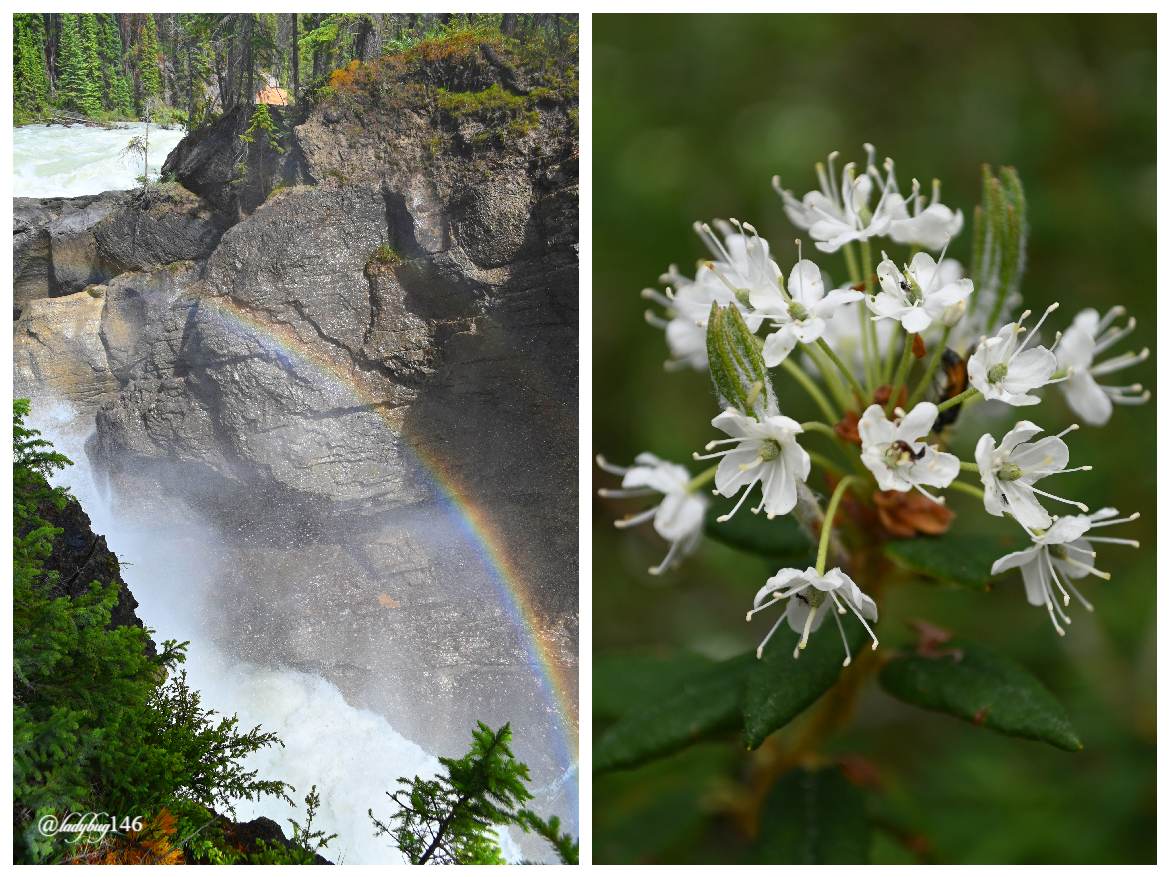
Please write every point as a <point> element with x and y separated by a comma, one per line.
<point>1086,338</point>
<point>892,453</point>
<point>931,227</point>
<point>1000,371</point>
<point>678,518</point>
<point>765,451</point>
<point>833,216</point>
<point>805,318</point>
<point>1010,472</point>
<point>741,265</point>
<point>808,592</point>
<point>918,297</point>
<point>1060,554</point>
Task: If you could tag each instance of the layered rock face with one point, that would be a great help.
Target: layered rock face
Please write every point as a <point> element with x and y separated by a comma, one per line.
<point>388,339</point>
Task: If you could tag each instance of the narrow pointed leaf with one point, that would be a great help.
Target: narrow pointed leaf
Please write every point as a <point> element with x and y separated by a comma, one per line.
<point>779,537</point>
<point>814,818</point>
<point>783,686</point>
<point>709,702</point>
<point>964,560</point>
<point>983,687</point>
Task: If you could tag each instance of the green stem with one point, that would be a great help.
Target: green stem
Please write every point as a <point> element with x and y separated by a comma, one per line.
<point>861,397</point>
<point>920,390</point>
<point>811,388</point>
<point>817,426</point>
<point>903,367</point>
<point>851,262</point>
<point>888,370</point>
<point>827,526</point>
<point>968,467</point>
<point>956,400</point>
<point>829,375</point>
<point>701,479</point>
<point>873,364</point>
<point>826,463</point>
<point>967,488</point>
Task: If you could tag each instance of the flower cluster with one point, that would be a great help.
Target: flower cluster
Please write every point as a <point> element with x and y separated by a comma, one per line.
<point>741,318</point>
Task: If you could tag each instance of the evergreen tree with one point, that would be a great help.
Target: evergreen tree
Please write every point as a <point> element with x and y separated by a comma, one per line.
<point>87,37</point>
<point>30,80</point>
<point>117,86</point>
<point>71,85</point>
<point>148,76</point>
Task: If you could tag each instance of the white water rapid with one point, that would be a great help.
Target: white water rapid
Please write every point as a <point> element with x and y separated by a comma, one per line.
<point>352,754</point>
<point>51,161</point>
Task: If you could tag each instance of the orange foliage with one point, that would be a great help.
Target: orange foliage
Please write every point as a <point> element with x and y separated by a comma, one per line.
<point>150,846</point>
<point>344,77</point>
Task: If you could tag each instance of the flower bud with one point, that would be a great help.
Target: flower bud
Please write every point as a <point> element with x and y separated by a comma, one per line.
<point>737,367</point>
<point>952,315</point>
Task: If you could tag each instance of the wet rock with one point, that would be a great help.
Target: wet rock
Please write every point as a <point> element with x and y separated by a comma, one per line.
<point>80,557</point>
<point>172,225</point>
<point>57,350</point>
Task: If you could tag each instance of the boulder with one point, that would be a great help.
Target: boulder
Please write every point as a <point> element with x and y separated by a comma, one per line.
<point>207,162</point>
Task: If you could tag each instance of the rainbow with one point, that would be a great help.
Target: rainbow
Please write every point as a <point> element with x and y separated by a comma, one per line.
<point>475,523</point>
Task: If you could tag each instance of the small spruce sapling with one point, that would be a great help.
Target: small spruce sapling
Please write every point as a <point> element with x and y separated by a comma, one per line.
<point>448,820</point>
<point>266,135</point>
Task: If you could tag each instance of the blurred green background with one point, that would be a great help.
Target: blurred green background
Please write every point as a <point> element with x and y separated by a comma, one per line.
<point>692,117</point>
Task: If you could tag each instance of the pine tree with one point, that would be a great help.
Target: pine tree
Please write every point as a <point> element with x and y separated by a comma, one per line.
<point>90,101</point>
<point>148,75</point>
<point>117,87</point>
<point>70,65</point>
<point>30,81</point>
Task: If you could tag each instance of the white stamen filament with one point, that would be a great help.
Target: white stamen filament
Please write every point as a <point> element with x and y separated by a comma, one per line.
<point>807,626</point>
<point>637,519</point>
<point>1079,505</point>
<point>722,518</point>
<point>783,615</point>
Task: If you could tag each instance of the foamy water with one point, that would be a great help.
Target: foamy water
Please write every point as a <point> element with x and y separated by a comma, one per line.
<point>51,161</point>
<point>352,755</point>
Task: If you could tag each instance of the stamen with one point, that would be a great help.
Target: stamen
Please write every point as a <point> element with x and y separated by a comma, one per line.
<point>720,249</point>
<point>697,456</point>
<point>1132,517</point>
<point>714,442</point>
<point>1059,629</point>
<point>723,518</point>
<point>1110,316</point>
<point>610,468</point>
<point>743,467</point>
<point>1078,595</point>
<point>635,520</point>
<point>658,570</point>
<point>771,602</point>
<point>783,615</point>
<point>1079,505</point>
<point>837,617</point>
<point>1132,542</point>
<point>711,266</point>
<point>1113,336</point>
<point>1110,366</point>
<point>1092,570</point>
<point>656,321</point>
<point>835,194</point>
<point>655,295</point>
<point>807,626</point>
<point>1052,572</point>
<point>1035,328</point>
<point>1068,430</point>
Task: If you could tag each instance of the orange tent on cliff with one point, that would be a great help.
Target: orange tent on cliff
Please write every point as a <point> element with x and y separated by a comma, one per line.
<point>273,96</point>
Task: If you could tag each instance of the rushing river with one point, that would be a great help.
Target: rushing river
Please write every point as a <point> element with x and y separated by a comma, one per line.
<point>51,161</point>
<point>339,742</point>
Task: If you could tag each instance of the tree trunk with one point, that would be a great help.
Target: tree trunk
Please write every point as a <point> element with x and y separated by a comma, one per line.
<point>508,24</point>
<point>296,55</point>
<point>249,29</point>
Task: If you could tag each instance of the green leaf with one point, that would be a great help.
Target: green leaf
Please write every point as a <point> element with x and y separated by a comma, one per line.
<point>985,688</point>
<point>625,683</point>
<point>709,702</point>
<point>783,686</point>
<point>779,537</point>
<point>964,560</point>
<point>814,818</point>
